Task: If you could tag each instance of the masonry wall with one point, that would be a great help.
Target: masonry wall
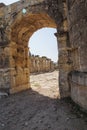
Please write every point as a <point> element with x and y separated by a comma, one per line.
<point>77,20</point>
<point>65,60</point>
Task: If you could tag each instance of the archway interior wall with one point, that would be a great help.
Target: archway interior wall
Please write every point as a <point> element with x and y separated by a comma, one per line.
<point>78,39</point>
<point>65,59</point>
<point>19,68</point>
<point>20,37</point>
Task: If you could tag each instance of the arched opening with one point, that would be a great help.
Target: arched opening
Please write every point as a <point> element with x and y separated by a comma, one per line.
<point>44,43</point>
<point>44,62</point>
<point>22,30</point>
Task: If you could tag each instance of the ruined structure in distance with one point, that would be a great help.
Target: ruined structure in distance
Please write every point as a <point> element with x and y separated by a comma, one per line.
<point>41,64</point>
<point>20,20</point>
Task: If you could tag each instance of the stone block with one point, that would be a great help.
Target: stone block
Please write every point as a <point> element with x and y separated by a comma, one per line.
<point>79,88</point>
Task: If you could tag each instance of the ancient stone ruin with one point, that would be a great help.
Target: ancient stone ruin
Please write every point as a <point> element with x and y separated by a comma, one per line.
<point>20,20</point>
<point>41,64</point>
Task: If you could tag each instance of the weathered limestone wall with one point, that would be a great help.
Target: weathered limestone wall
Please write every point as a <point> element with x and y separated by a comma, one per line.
<point>78,84</point>
<point>65,61</point>
<point>5,82</point>
<point>14,68</point>
<point>77,19</point>
<point>14,72</point>
<point>19,62</point>
<point>21,26</point>
<point>41,64</point>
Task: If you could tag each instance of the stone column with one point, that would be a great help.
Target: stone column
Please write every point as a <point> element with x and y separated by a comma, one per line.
<point>32,64</point>
<point>19,68</point>
<point>35,68</point>
<point>64,62</point>
<point>44,64</point>
<point>52,66</point>
<point>41,64</point>
<point>48,68</point>
<point>37,63</point>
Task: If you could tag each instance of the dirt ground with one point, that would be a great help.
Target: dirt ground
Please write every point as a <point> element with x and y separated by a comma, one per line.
<point>40,108</point>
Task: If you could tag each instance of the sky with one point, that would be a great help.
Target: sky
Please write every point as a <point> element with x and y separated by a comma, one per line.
<point>43,42</point>
<point>7,2</point>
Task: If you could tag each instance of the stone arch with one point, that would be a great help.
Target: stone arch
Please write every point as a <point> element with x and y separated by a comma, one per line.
<point>49,13</point>
<point>22,30</point>
<point>70,18</point>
